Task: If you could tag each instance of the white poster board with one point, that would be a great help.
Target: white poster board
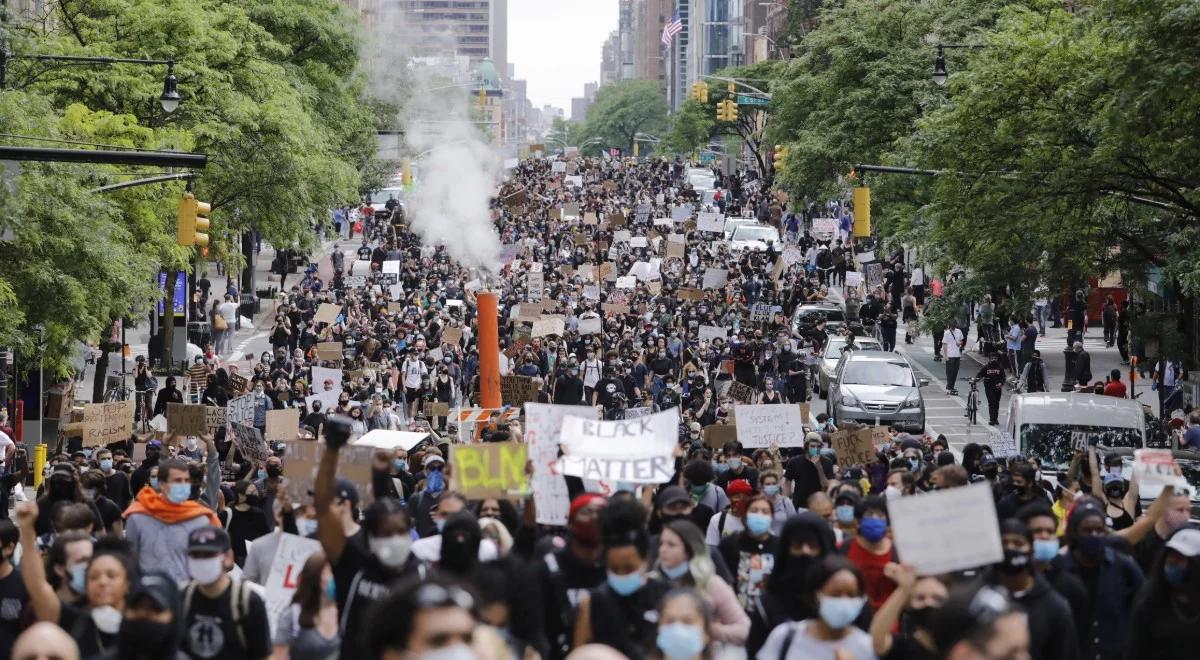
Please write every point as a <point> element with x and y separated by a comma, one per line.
<point>681,213</point>
<point>946,530</point>
<point>290,555</point>
<point>591,326</point>
<point>384,439</point>
<point>321,374</point>
<point>824,228</point>
<point>1002,444</point>
<point>241,410</point>
<point>329,400</point>
<point>627,282</point>
<point>854,278</point>
<point>639,451</point>
<point>711,332</point>
<point>542,424</point>
<point>710,221</point>
<point>1155,468</point>
<point>766,425</point>
<point>715,278</point>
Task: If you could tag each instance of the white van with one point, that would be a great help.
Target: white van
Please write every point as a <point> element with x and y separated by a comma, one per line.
<point>1050,425</point>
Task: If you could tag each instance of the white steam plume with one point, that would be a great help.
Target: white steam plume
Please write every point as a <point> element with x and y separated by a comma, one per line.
<point>458,168</point>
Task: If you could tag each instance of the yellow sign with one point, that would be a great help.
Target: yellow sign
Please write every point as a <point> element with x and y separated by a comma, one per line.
<point>862,212</point>
<point>490,469</point>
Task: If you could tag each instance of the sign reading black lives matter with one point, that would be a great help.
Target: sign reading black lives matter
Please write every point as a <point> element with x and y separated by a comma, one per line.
<point>637,450</point>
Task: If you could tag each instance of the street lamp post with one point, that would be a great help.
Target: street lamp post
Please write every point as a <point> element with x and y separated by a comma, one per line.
<point>169,99</point>
<point>940,75</point>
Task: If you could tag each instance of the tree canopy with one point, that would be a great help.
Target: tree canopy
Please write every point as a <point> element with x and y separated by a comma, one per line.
<point>625,108</point>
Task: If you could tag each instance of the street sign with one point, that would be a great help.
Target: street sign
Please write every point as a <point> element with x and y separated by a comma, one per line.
<point>742,99</point>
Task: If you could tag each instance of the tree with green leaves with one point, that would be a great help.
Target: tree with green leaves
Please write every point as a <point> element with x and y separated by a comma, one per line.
<point>625,108</point>
<point>691,128</point>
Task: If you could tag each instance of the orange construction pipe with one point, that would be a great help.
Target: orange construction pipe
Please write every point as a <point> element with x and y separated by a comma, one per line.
<point>489,350</point>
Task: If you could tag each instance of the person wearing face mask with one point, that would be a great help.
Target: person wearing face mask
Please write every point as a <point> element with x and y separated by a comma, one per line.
<point>267,481</point>
<point>751,552</point>
<point>912,605</point>
<point>308,628</point>
<point>245,520</point>
<point>782,506</point>
<point>698,474</point>
<point>221,616</point>
<point>809,473</point>
<point>361,572</point>
<point>61,487</point>
<point>615,614</point>
<point>116,482</point>
<point>94,619</point>
<point>845,503</point>
<point>1051,623</point>
<point>736,467</point>
<point>431,618</point>
<point>685,627</point>
<point>683,560</point>
<point>565,575</point>
<point>1164,616</point>
<point>169,394</point>
<point>805,538</point>
<point>838,592</point>
<point>732,519</point>
<point>150,629</point>
<point>158,522</point>
<point>12,588</point>
<point>141,476</point>
<point>1175,516</point>
<point>872,549</point>
<point>262,404</point>
<point>1025,491</point>
<point>261,554</point>
<point>92,483</point>
<point>1111,579</point>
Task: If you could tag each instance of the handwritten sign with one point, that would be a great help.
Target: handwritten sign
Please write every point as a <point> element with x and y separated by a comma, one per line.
<point>710,221</point>
<point>250,441</point>
<point>516,390</point>
<point>1155,468</point>
<point>241,410</point>
<point>283,424</point>
<point>591,326</point>
<point>689,294</point>
<point>290,555</point>
<point>107,422</point>
<point>327,313</point>
<point>853,447</point>
<point>544,327</point>
<point>542,424</point>
<point>767,425</point>
<point>489,469</point>
<point>853,279</point>
<point>186,419</point>
<point>1002,444</point>
<point>636,450</point>
<point>741,392</point>
<point>946,530</point>
<point>214,418</point>
<point>711,332</point>
<point>329,350</point>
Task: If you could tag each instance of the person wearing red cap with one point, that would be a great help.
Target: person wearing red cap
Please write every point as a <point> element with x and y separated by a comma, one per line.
<point>732,520</point>
<point>568,573</point>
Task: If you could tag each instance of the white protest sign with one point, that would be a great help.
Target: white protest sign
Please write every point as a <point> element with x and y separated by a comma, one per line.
<point>546,327</point>
<point>384,439</point>
<point>791,256</point>
<point>638,242</point>
<point>644,270</point>
<point>592,326</point>
<point>591,292</point>
<point>329,400</point>
<point>865,257</point>
<point>918,277</point>
<point>241,410</point>
<point>825,227</point>
<point>710,221</point>
<point>536,283</point>
<point>1002,444</point>
<point>355,281</point>
<point>715,278</point>
<point>391,267</point>
<point>558,167</point>
<point>628,282</point>
<point>322,374</point>
<point>360,267</point>
<point>622,236</point>
<point>664,222</point>
<point>764,425</point>
<point>290,555</point>
<point>638,450</point>
<point>946,530</point>
<point>542,423</point>
<point>853,278</point>
<point>574,181</point>
<point>711,332</point>
<point>1155,468</point>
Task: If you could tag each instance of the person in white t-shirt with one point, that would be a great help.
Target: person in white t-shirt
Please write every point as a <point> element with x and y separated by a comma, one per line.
<point>411,373</point>
<point>954,342</point>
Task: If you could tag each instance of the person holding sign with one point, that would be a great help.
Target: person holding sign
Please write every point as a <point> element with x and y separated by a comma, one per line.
<point>871,549</point>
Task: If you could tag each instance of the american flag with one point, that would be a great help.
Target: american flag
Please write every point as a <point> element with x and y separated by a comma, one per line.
<point>671,29</point>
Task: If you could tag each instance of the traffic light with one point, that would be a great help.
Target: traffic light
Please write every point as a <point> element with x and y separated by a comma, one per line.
<point>730,110</point>
<point>780,157</point>
<point>700,92</point>
<point>720,111</point>
<point>193,221</point>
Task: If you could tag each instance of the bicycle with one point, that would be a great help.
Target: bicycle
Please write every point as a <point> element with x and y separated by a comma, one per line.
<point>972,413</point>
<point>122,392</point>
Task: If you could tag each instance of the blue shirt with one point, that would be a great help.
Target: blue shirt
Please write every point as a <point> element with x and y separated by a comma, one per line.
<point>1191,437</point>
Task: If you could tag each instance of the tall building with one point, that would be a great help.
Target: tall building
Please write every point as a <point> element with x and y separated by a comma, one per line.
<point>680,70</point>
<point>650,17</point>
<point>610,58</point>
<point>626,39</point>
<point>765,25</point>
<point>475,28</point>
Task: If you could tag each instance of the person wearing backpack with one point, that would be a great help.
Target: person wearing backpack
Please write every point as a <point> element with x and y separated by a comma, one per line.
<point>1033,376</point>
<point>222,616</point>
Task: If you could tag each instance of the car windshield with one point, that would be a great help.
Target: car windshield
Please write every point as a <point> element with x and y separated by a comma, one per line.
<point>830,313</point>
<point>1054,444</point>
<point>382,196</point>
<point>873,372</point>
<point>748,233</point>
<point>834,348</point>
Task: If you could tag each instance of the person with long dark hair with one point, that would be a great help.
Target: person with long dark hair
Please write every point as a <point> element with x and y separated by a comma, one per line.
<point>308,629</point>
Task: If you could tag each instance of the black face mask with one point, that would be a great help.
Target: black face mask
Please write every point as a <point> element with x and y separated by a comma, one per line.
<point>916,618</point>
<point>1016,561</point>
<point>150,639</point>
<point>61,489</point>
<point>274,470</point>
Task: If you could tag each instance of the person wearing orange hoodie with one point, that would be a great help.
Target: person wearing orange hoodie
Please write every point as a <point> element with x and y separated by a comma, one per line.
<point>158,522</point>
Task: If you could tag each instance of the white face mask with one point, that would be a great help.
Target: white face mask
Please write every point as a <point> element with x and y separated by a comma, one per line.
<point>107,619</point>
<point>392,551</point>
<point>206,570</point>
<point>456,652</point>
<point>892,491</point>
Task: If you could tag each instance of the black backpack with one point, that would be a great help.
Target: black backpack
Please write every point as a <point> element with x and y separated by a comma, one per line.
<point>1035,383</point>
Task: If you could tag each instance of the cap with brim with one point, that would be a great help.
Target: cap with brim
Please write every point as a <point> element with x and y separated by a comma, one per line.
<point>672,495</point>
<point>433,458</point>
<point>344,489</point>
<point>208,539</point>
<point>158,587</point>
<point>154,443</point>
<point>1186,542</point>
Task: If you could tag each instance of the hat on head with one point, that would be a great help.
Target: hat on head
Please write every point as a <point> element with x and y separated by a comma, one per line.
<point>212,539</point>
<point>582,501</point>
<point>847,497</point>
<point>1186,542</point>
<point>739,486</point>
<point>431,459</point>
<point>813,436</point>
<point>154,443</point>
<point>160,588</point>
<point>672,495</point>
<point>344,489</point>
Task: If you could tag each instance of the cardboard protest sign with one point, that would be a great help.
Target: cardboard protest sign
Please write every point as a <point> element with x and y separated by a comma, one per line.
<point>638,450</point>
<point>615,308</point>
<point>675,249</point>
<point>767,425</point>
<point>327,313</point>
<point>711,332</point>
<point>864,257</point>
<point>517,390</point>
<point>570,210</point>
<point>715,278</point>
<point>710,221</point>
<point>214,418</point>
<point>615,219</point>
<point>589,218</point>
<point>544,327</point>
<point>542,424</point>
<point>792,255</point>
<point>489,469</point>
<point>946,530</point>
<point>853,447</point>
<point>638,242</point>
<point>689,294</point>
<point>718,435</point>
<point>741,392</point>
<point>283,424</point>
<point>436,409</point>
<point>608,271</point>
<point>107,422</point>
<point>290,555</point>
<point>303,457</point>
<point>873,274</point>
<point>251,442</point>
<point>329,350</point>
<point>452,336</point>
<point>185,419</point>
<point>592,326</point>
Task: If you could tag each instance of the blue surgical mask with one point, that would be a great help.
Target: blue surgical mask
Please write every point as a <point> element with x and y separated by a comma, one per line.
<point>720,467</point>
<point>400,464</point>
<point>844,513</point>
<point>262,473</point>
<point>79,578</point>
<point>813,452</point>
<point>106,464</point>
<point>758,523</point>
<point>680,641</point>
<point>771,490</point>
<point>841,611</point>
<point>308,527</point>
<point>179,493</point>
<point>1045,550</point>
<point>154,483</point>
<point>1175,574</point>
<point>734,463</point>
<point>440,523</point>
<point>331,589</point>
<point>915,464</point>
<point>872,529</point>
<point>625,585</point>
<point>676,572</point>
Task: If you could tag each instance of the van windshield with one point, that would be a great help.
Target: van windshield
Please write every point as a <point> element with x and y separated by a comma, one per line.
<point>1054,444</point>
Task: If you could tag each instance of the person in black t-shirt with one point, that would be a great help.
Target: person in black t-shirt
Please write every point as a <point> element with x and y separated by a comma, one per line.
<point>222,617</point>
<point>13,596</point>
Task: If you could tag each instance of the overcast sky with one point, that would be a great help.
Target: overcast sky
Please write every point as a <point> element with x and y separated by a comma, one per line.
<point>555,45</point>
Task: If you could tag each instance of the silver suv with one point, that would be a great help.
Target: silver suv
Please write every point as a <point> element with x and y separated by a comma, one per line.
<point>880,387</point>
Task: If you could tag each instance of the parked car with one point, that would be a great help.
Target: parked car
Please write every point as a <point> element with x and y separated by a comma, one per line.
<point>733,223</point>
<point>1051,425</point>
<point>805,317</point>
<point>756,238</point>
<point>833,353</point>
<point>872,387</point>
